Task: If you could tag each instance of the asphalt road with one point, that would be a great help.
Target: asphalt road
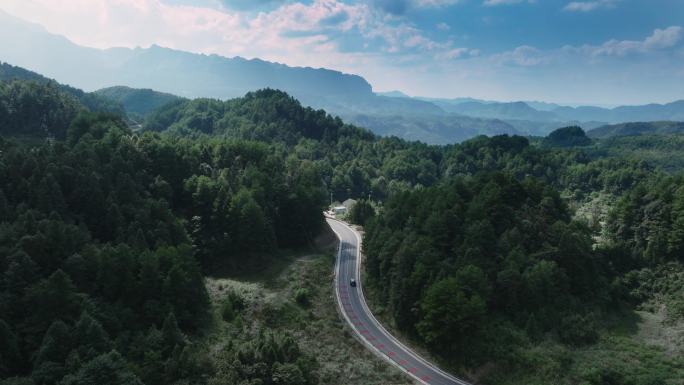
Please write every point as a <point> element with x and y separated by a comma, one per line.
<point>369,331</point>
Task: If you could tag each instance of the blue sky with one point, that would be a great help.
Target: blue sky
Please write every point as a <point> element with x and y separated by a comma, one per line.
<point>605,52</point>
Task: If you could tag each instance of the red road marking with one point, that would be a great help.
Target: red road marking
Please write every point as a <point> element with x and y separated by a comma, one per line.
<point>403,362</point>
<point>425,378</point>
<point>380,346</point>
<point>391,354</point>
<point>413,370</point>
<point>371,338</point>
<point>364,331</point>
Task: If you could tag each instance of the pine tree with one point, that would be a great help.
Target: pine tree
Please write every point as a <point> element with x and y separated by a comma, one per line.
<point>10,355</point>
<point>171,334</point>
<point>56,345</point>
<point>4,208</point>
<point>52,299</point>
<point>106,369</point>
<point>92,338</point>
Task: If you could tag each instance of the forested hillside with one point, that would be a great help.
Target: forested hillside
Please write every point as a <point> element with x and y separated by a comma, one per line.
<point>137,103</point>
<point>479,265</point>
<point>488,269</point>
<point>89,100</point>
<point>473,249</point>
<point>105,236</point>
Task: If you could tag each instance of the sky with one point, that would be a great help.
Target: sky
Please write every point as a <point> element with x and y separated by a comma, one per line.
<point>604,52</point>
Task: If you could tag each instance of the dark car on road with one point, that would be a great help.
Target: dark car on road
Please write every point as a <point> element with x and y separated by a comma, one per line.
<point>352,282</point>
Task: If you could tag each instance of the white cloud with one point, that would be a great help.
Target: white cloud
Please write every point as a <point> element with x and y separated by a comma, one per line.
<point>457,53</point>
<point>660,39</point>
<point>435,3</point>
<point>491,3</point>
<point>324,33</point>
<point>525,56</point>
<point>587,6</point>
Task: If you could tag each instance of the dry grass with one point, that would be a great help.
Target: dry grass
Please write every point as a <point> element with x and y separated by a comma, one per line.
<point>270,304</point>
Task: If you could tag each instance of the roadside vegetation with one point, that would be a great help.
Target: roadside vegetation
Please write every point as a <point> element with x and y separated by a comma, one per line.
<point>290,316</point>
<point>163,254</point>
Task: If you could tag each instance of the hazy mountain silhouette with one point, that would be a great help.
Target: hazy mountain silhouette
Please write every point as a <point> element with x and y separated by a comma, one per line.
<point>637,128</point>
<point>350,96</point>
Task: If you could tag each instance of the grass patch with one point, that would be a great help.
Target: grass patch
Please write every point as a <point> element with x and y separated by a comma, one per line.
<point>627,353</point>
<point>293,299</point>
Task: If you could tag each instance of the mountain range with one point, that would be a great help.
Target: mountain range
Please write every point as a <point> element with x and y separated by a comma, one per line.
<point>636,129</point>
<point>350,96</point>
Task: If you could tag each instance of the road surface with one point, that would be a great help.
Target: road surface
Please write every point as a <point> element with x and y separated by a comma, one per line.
<point>373,335</point>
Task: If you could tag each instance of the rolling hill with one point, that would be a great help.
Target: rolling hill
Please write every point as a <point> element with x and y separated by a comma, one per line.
<point>637,128</point>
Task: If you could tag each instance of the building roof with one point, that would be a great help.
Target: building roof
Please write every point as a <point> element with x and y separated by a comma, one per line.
<point>349,203</point>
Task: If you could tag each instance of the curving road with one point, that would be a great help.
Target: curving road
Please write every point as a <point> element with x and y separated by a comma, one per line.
<point>354,309</point>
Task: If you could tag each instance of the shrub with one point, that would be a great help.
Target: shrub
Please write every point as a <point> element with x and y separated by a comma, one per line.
<point>578,330</point>
<point>301,296</point>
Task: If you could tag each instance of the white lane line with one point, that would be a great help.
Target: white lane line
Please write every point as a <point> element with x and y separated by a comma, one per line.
<point>381,328</point>
<point>369,345</point>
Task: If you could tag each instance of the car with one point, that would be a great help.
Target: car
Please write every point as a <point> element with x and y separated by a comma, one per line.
<point>352,282</point>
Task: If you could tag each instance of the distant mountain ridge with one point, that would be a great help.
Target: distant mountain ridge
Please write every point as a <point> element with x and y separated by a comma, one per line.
<point>637,128</point>
<point>550,112</point>
<point>191,75</point>
<point>187,74</point>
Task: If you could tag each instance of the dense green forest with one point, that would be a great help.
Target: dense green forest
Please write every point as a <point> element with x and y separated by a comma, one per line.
<point>488,260</point>
<point>89,100</point>
<point>138,103</point>
<point>474,249</point>
<point>105,236</point>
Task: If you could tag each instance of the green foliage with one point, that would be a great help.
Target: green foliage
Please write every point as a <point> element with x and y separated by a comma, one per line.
<point>231,306</point>
<point>105,233</point>
<point>361,212</point>
<point>302,296</point>
<point>35,109</point>
<point>10,355</point>
<point>106,369</point>
<point>653,287</point>
<point>90,100</point>
<point>649,221</point>
<point>137,102</point>
<point>273,358</point>
<point>479,256</point>
<point>227,311</point>
<point>578,330</point>
<point>452,315</point>
<point>567,137</point>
